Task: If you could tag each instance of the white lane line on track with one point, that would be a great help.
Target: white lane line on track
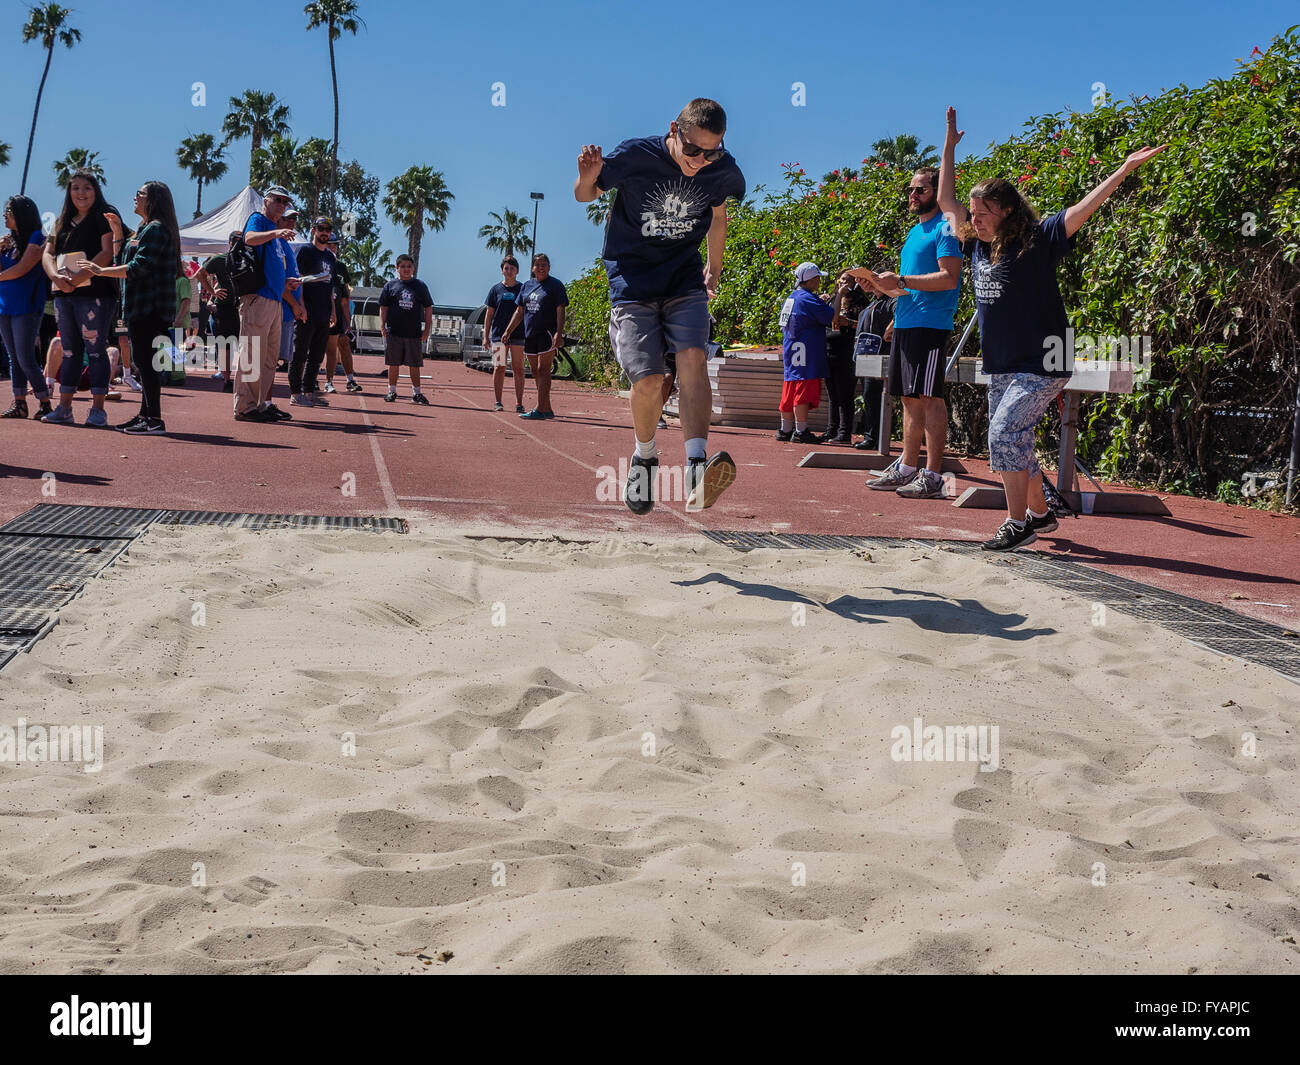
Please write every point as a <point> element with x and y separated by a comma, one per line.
<point>564,454</point>
<point>381,468</point>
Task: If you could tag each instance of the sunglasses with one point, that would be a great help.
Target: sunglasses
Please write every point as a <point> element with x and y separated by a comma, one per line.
<point>917,188</point>
<point>712,155</point>
<point>278,199</point>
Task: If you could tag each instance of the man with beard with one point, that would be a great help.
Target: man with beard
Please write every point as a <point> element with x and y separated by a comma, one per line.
<point>927,290</point>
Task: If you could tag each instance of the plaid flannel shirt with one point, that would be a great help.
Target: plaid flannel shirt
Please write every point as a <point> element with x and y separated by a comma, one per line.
<point>151,275</point>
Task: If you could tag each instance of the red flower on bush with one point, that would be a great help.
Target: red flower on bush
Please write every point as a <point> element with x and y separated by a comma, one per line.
<point>879,245</point>
<point>1255,51</point>
<point>1066,153</point>
<point>879,166</point>
<point>1093,160</point>
<point>771,253</point>
<point>1024,178</point>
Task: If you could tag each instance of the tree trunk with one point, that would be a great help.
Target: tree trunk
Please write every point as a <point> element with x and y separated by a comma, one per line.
<point>334,152</point>
<point>257,143</point>
<point>31,137</point>
<point>198,206</point>
<point>417,232</point>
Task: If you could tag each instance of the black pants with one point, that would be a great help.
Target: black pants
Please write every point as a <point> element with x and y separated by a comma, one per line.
<point>144,351</point>
<point>871,389</point>
<point>841,384</point>
<point>309,340</point>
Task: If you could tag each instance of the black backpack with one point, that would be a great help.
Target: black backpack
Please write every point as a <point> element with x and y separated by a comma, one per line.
<point>247,267</point>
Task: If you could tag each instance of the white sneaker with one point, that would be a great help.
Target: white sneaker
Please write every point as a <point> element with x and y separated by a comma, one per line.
<point>329,387</point>
<point>131,382</point>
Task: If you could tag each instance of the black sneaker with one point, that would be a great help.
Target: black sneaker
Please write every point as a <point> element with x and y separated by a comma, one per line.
<point>275,414</point>
<point>784,435</point>
<point>130,422</point>
<point>421,399</point>
<point>1010,537</point>
<point>706,480</point>
<point>228,386</point>
<point>254,415</point>
<point>353,387</point>
<point>519,408</point>
<point>390,397</point>
<point>806,437</point>
<point>866,444</point>
<point>145,426</point>
<point>640,491</point>
<point>1045,524</point>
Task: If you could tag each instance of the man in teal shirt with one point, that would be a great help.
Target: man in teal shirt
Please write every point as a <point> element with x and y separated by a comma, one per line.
<point>927,290</point>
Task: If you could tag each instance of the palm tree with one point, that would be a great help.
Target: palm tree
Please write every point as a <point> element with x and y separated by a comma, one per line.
<point>78,159</point>
<point>258,115</point>
<point>508,233</point>
<point>338,16</point>
<point>599,208</point>
<point>4,153</point>
<point>201,156</point>
<point>903,152</point>
<point>417,199</point>
<point>276,164</point>
<point>844,173</point>
<point>49,24</point>
<point>313,162</point>
<point>367,260</point>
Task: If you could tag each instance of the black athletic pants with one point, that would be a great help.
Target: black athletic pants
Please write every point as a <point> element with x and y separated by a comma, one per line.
<point>841,383</point>
<point>310,338</point>
<point>143,333</point>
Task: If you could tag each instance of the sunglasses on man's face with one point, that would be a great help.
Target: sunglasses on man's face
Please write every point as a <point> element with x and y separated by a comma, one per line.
<point>278,199</point>
<point>711,155</point>
<point>917,188</point>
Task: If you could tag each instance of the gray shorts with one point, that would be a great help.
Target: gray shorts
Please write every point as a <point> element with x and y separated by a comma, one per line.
<point>402,351</point>
<point>642,333</point>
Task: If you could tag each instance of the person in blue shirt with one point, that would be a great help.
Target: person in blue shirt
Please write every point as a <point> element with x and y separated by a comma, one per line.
<point>672,194</point>
<point>1022,320</point>
<point>540,308</point>
<point>804,318</point>
<point>24,288</point>
<point>927,290</point>
<point>502,299</point>
<point>261,312</point>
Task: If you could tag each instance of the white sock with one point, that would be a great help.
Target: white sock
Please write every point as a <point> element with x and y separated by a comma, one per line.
<point>1017,524</point>
<point>392,390</point>
<point>800,427</point>
<point>905,469</point>
<point>696,447</point>
<point>1034,514</point>
<point>647,449</point>
<point>415,391</point>
<point>787,422</point>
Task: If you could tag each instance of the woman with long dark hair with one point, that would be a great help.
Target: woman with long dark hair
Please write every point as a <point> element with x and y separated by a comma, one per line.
<point>152,265</point>
<point>24,288</point>
<point>1022,321</point>
<point>84,305</point>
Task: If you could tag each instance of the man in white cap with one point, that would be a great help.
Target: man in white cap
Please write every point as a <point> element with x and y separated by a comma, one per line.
<point>804,318</point>
<point>260,312</point>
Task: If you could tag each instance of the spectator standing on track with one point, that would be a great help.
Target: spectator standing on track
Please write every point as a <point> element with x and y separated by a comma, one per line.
<point>502,301</point>
<point>405,319</point>
<point>261,312</point>
<point>24,289</point>
<point>541,309</point>
<point>804,318</point>
<point>316,262</point>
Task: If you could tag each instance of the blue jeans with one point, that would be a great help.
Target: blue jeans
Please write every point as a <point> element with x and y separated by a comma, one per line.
<point>84,328</point>
<point>19,332</point>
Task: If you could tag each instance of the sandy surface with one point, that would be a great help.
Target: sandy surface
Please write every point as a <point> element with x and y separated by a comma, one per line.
<point>647,764</point>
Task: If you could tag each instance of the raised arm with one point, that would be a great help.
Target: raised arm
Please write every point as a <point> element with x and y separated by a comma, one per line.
<point>590,163</point>
<point>953,211</point>
<point>1083,210</point>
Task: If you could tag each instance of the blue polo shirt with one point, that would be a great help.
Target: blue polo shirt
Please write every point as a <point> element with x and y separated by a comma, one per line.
<point>275,261</point>
<point>804,318</point>
<point>927,242</point>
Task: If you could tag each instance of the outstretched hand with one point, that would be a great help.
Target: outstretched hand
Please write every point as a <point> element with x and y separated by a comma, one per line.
<point>1136,159</point>
<point>590,162</point>
<point>953,135</point>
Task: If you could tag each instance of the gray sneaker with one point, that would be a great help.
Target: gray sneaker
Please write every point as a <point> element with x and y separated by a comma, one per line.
<point>891,478</point>
<point>925,485</point>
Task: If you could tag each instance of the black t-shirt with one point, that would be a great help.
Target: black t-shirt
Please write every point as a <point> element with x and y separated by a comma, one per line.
<point>1019,303</point>
<point>218,267</point>
<point>659,217</point>
<point>405,301</point>
<point>839,342</point>
<point>85,238</point>
<point>541,299</point>
<point>317,296</point>
<point>504,301</point>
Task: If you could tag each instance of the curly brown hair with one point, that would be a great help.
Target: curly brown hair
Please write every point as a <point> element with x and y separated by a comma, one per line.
<point>1016,231</point>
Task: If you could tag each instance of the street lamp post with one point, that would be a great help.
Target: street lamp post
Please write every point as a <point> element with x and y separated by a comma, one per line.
<point>537,198</point>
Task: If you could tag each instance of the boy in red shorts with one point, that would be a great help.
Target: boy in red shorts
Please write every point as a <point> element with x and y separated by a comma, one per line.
<point>804,318</point>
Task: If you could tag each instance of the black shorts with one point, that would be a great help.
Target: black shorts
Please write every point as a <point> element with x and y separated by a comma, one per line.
<point>917,362</point>
<point>537,343</point>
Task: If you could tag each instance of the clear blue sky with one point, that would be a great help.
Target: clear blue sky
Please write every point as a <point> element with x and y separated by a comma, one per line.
<point>415,87</point>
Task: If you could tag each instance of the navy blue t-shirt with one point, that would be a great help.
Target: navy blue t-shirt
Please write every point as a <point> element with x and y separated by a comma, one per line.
<point>405,301</point>
<point>540,300</point>
<point>659,217</point>
<point>1018,301</point>
<point>503,300</point>
<point>317,296</point>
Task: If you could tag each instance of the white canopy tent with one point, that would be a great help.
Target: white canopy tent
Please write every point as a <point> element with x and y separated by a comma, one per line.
<point>209,234</point>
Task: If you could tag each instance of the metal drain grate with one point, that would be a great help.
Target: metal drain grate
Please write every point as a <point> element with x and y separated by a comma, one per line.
<point>1207,624</point>
<point>60,519</point>
<point>49,553</point>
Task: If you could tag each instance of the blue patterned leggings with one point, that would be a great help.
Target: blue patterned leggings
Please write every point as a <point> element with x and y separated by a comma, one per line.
<point>1017,402</point>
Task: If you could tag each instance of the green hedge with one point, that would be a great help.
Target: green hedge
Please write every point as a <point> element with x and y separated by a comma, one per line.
<point>1198,250</point>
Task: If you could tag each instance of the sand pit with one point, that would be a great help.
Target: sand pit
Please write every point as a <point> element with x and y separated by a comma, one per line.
<point>625,756</point>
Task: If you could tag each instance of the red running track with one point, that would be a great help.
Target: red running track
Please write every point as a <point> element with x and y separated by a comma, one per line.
<point>462,464</point>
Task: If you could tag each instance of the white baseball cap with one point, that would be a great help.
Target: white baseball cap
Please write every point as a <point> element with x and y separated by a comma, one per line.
<point>806,272</point>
